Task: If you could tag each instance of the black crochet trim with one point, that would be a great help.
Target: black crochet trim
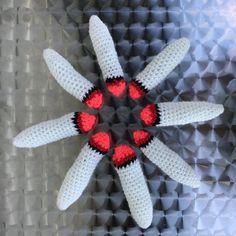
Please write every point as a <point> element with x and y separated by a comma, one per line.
<point>88,93</point>
<point>74,120</point>
<point>127,163</point>
<point>140,85</point>
<point>96,149</point>
<point>146,143</point>
<point>113,78</point>
<point>158,118</point>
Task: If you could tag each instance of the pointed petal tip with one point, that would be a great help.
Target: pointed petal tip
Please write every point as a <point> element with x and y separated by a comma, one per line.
<point>61,205</point>
<point>17,142</point>
<point>94,19</point>
<point>144,223</point>
<point>48,52</point>
<point>216,109</point>
<point>97,26</point>
<point>144,220</point>
<point>184,43</point>
<point>21,142</point>
<point>196,183</point>
<point>219,108</point>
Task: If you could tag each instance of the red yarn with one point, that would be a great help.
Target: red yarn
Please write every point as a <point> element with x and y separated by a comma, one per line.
<point>123,154</point>
<point>149,114</point>
<point>141,137</point>
<point>101,141</point>
<point>86,121</point>
<point>95,99</point>
<point>116,87</point>
<point>135,91</point>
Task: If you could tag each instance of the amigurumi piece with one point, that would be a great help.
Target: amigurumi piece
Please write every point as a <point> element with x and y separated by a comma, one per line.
<point>123,156</point>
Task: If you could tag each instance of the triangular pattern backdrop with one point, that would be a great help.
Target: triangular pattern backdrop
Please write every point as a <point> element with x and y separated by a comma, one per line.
<point>30,179</point>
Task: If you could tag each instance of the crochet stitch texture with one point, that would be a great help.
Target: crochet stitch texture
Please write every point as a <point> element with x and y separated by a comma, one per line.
<point>123,156</point>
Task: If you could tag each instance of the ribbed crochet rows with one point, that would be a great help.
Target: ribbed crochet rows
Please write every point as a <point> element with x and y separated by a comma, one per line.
<point>159,68</point>
<point>53,130</point>
<point>107,56</point>
<point>123,155</point>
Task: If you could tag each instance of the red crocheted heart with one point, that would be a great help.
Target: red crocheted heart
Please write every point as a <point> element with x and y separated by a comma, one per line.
<point>116,87</point>
<point>149,114</point>
<point>86,121</point>
<point>95,99</point>
<point>101,141</point>
<point>123,154</point>
<point>141,137</point>
<point>135,91</point>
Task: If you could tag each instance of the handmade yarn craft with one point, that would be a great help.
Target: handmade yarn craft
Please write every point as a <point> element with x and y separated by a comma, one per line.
<point>100,142</point>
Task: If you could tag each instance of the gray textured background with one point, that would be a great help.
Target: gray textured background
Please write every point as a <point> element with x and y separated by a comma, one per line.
<point>30,179</point>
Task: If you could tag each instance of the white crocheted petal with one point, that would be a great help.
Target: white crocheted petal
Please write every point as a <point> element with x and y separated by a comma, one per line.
<point>136,193</point>
<point>104,49</point>
<point>180,113</point>
<point>78,176</point>
<point>171,163</point>
<point>65,74</point>
<point>163,63</point>
<point>46,132</point>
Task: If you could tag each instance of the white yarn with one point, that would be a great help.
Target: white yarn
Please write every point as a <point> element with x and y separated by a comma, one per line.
<point>171,163</point>
<point>46,132</point>
<point>78,176</point>
<point>180,113</point>
<point>73,82</point>
<point>136,193</point>
<point>131,176</point>
<point>104,48</point>
<point>163,63</point>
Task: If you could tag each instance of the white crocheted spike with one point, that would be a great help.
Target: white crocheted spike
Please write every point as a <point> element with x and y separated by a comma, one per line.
<point>104,49</point>
<point>46,132</point>
<point>163,63</point>
<point>66,76</point>
<point>136,193</point>
<point>78,176</point>
<point>171,163</point>
<point>180,113</point>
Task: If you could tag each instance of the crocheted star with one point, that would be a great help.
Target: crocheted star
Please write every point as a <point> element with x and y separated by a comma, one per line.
<point>124,156</point>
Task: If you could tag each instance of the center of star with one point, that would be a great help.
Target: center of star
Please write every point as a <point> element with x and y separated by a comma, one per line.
<point>118,115</point>
<point>118,111</point>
